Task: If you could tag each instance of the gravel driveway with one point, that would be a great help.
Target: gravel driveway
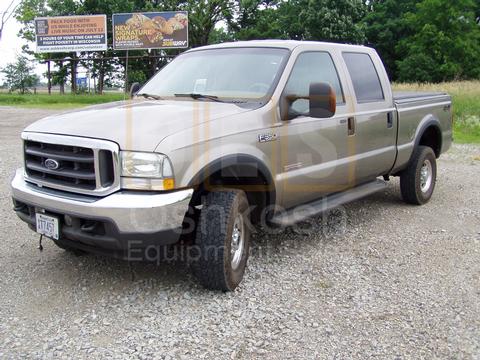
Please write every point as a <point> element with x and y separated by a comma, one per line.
<point>376,278</point>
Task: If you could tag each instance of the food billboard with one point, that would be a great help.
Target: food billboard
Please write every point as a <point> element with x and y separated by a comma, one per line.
<point>152,30</point>
<point>71,33</point>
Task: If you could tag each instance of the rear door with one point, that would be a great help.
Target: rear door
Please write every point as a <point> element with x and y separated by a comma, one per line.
<point>373,130</point>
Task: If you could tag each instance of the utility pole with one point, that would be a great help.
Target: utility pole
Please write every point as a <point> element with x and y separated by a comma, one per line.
<point>49,77</point>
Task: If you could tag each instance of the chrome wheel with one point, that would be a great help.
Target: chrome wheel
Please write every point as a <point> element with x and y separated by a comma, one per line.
<point>426,176</point>
<point>237,243</point>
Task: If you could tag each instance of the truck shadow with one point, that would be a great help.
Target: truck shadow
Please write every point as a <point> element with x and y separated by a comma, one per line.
<point>319,232</point>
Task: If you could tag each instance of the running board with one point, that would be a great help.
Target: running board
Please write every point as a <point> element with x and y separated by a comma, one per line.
<point>316,207</point>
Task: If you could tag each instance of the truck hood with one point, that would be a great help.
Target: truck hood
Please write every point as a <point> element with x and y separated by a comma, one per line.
<point>136,124</point>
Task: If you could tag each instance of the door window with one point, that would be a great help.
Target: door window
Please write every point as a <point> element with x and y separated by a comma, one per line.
<point>312,67</point>
<point>366,82</point>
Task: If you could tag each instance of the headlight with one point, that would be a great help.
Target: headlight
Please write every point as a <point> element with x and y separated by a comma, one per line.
<point>146,171</point>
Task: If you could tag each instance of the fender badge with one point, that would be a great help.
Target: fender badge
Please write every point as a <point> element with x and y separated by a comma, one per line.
<point>262,138</point>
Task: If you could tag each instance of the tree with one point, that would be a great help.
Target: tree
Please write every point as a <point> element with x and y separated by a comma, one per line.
<point>19,75</point>
<point>321,20</point>
<point>385,27</point>
<point>59,77</point>
<point>267,20</point>
<point>445,44</point>
<point>477,13</point>
<point>333,20</point>
<point>261,24</point>
<point>203,16</point>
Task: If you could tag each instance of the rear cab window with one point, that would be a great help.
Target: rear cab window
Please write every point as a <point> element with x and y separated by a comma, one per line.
<point>364,76</point>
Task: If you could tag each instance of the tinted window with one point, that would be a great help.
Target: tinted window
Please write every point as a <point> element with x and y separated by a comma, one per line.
<point>312,67</point>
<point>364,77</point>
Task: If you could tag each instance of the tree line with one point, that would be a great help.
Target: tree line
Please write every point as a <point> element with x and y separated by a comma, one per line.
<point>418,40</point>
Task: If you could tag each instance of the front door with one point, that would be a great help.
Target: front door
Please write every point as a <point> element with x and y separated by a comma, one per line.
<point>314,153</point>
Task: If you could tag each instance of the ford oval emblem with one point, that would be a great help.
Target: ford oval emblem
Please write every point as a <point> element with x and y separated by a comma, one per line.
<point>52,164</point>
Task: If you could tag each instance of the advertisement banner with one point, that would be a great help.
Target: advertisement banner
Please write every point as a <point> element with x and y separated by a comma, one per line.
<point>152,30</point>
<point>71,33</point>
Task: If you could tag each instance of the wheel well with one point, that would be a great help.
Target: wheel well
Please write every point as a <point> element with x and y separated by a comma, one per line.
<point>432,137</point>
<point>259,188</point>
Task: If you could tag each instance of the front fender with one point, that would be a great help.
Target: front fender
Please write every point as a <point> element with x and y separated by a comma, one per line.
<point>245,165</point>
<point>222,156</point>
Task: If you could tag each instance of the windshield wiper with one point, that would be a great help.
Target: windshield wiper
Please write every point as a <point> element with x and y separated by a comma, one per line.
<point>200,96</point>
<point>150,96</point>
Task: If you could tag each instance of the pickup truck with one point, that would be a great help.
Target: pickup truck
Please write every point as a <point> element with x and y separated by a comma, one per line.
<point>223,137</point>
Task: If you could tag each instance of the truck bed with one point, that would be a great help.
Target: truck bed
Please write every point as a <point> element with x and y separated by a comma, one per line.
<point>414,108</point>
<point>402,96</point>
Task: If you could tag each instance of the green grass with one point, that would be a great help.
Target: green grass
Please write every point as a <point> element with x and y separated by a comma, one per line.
<point>466,106</point>
<point>56,101</point>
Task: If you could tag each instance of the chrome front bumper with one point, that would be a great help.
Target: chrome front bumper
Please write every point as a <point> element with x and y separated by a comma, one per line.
<point>130,212</point>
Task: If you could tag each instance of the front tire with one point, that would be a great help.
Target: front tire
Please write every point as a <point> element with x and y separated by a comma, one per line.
<point>222,240</point>
<point>417,181</point>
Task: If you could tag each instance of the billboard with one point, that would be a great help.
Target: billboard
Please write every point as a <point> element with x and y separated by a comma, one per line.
<point>152,30</point>
<point>71,33</point>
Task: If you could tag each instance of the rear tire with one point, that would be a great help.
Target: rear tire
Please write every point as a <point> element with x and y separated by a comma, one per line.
<point>417,181</point>
<point>222,240</point>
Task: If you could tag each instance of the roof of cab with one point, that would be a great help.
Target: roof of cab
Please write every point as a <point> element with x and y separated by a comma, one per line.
<point>288,44</point>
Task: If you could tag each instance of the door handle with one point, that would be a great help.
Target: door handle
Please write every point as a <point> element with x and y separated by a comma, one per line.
<point>351,126</point>
<point>390,120</point>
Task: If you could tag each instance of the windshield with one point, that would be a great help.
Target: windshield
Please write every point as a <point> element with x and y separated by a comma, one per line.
<point>248,74</point>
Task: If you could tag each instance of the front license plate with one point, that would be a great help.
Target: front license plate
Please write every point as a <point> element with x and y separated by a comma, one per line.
<point>47,225</point>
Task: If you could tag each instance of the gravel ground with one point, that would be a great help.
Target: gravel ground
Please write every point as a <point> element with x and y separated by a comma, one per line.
<point>376,278</point>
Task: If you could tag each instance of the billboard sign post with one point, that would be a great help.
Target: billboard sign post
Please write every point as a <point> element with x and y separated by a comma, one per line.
<point>151,30</point>
<point>71,33</point>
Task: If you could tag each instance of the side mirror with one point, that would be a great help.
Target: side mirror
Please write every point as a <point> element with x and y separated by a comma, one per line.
<point>323,100</point>
<point>322,103</point>
<point>134,89</point>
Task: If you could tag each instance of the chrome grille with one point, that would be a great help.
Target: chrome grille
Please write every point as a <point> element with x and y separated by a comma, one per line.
<point>75,164</point>
<point>67,163</point>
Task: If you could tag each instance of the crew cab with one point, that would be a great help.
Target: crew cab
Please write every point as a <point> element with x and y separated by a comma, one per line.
<point>269,132</point>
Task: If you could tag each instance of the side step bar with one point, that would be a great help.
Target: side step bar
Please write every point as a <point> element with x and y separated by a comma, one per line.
<point>316,207</point>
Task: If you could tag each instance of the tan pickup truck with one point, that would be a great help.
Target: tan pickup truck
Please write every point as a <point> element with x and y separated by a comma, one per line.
<point>222,137</point>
